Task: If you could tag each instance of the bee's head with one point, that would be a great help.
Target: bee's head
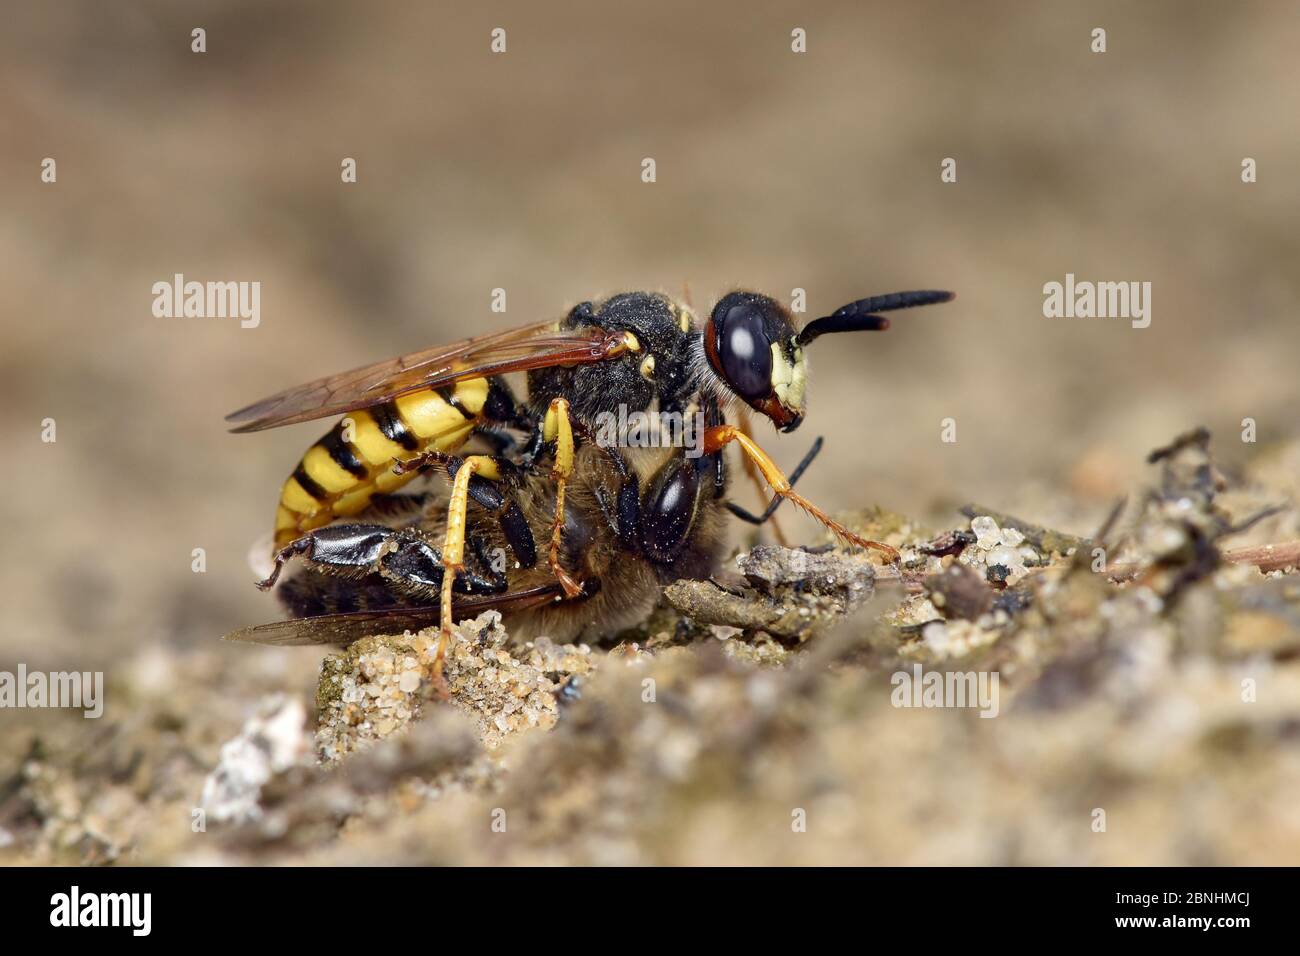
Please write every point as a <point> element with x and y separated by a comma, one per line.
<point>752,345</point>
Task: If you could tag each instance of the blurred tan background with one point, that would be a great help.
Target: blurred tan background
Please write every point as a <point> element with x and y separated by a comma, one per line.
<point>522,170</point>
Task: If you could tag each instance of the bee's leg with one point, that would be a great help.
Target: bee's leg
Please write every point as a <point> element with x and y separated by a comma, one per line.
<point>486,492</point>
<point>431,456</point>
<point>532,447</point>
<point>558,428</point>
<point>514,526</point>
<point>413,564</point>
<point>397,555</point>
<point>752,518</point>
<point>624,514</point>
<point>303,545</point>
<point>720,436</point>
<point>338,548</point>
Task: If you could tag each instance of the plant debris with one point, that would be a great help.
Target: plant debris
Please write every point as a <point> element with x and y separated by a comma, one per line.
<point>787,592</point>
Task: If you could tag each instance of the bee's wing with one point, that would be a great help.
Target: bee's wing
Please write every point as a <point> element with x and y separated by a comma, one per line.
<point>514,350</point>
<point>354,625</point>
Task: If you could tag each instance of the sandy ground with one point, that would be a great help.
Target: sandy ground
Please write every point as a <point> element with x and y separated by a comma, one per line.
<point>522,171</point>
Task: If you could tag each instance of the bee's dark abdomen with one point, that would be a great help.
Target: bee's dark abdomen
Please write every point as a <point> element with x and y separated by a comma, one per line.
<point>310,593</point>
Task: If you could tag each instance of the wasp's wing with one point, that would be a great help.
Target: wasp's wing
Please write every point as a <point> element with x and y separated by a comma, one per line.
<point>354,625</point>
<point>514,350</point>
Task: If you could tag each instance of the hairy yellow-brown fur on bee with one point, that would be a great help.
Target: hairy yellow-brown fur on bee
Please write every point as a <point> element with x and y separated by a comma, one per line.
<point>630,585</point>
<point>354,460</point>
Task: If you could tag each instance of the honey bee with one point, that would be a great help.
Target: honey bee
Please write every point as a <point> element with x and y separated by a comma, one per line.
<point>343,590</point>
<point>617,521</point>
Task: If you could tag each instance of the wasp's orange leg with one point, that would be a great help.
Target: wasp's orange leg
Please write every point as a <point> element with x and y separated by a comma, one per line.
<point>776,501</point>
<point>752,471</point>
<point>558,428</point>
<point>719,436</point>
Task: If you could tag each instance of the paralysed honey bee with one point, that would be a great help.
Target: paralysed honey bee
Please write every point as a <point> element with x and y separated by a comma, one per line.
<point>615,520</point>
<point>387,570</point>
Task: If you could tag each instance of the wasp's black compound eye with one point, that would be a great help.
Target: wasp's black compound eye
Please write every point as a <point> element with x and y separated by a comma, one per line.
<point>741,328</point>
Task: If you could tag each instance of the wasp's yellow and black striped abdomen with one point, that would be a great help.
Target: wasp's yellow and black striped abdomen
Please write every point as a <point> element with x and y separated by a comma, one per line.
<point>354,460</point>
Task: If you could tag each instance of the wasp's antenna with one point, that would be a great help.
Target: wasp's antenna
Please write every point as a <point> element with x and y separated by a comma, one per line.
<point>859,316</point>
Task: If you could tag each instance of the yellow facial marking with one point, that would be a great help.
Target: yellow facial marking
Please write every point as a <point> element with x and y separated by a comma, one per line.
<point>781,371</point>
<point>798,379</point>
<point>648,368</point>
<point>632,342</point>
<point>788,380</point>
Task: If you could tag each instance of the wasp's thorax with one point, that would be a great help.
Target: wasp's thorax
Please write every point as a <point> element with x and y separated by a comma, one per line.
<point>752,346</point>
